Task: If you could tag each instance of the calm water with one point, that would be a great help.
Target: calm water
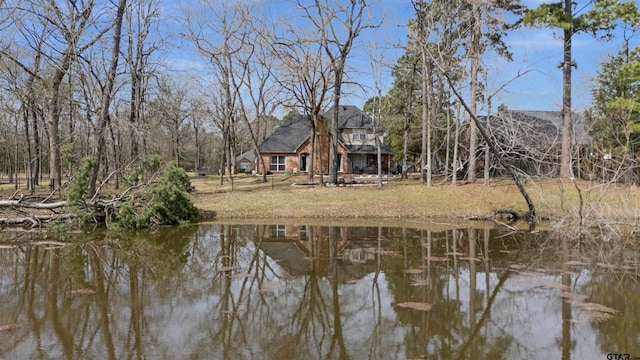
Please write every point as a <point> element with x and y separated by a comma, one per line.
<point>318,292</point>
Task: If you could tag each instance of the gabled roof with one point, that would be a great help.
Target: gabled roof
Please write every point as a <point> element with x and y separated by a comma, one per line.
<point>292,134</point>
<point>351,116</point>
<point>288,136</point>
<point>539,127</point>
<point>249,156</point>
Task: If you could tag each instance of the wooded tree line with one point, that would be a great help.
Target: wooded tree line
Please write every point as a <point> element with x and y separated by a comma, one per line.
<point>442,81</point>
<point>94,78</point>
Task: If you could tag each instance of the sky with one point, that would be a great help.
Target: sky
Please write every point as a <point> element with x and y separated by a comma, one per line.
<point>537,53</point>
<point>533,78</point>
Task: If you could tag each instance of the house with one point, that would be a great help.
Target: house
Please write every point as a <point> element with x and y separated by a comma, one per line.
<point>288,149</point>
<point>246,161</point>
<point>542,128</point>
<point>531,140</point>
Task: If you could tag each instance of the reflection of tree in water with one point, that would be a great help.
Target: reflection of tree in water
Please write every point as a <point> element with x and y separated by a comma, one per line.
<point>164,251</point>
<point>64,294</point>
<point>615,283</point>
<point>218,291</point>
<point>311,319</point>
<point>313,326</point>
<point>444,274</point>
<point>621,332</point>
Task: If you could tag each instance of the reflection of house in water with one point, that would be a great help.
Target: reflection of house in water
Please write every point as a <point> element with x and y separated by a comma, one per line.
<point>358,253</point>
<point>288,256</point>
<point>295,248</point>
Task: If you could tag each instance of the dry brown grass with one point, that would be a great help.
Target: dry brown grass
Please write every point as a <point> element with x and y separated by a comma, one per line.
<point>406,200</point>
<point>411,200</point>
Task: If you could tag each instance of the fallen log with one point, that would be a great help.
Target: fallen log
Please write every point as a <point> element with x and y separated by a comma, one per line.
<point>511,215</point>
<point>32,205</point>
<point>35,220</point>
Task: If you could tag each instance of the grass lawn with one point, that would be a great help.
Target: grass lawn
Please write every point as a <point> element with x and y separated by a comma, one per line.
<point>249,198</point>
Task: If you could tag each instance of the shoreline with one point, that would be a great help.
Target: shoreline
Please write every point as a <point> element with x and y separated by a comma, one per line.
<point>410,200</point>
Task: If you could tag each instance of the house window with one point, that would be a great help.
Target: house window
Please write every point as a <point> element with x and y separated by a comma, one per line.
<point>277,163</point>
<point>359,135</point>
<point>358,255</point>
<point>303,233</point>
<point>277,231</point>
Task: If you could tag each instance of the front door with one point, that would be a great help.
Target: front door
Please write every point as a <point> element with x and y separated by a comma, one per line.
<point>303,162</point>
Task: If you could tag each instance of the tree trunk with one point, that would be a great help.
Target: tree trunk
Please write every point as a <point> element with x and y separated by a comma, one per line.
<point>223,156</point>
<point>567,123</point>
<point>408,113</point>
<point>312,144</point>
<point>487,154</point>
<point>447,145</point>
<point>37,151</point>
<point>28,168</point>
<point>196,160</point>
<point>425,117</point>
<point>456,143</point>
<point>320,164</point>
<point>473,90</point>
<point>379,158</point>
<point>116,144</point>
<point>55,177</point>
<point>430,110</point>
<point>333,126</point>
<point>107,93</point>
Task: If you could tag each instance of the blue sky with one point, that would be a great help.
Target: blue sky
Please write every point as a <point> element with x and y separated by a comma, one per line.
<point>536,52</point>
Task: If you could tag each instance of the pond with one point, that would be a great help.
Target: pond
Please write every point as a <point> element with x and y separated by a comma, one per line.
<point>224,291</point>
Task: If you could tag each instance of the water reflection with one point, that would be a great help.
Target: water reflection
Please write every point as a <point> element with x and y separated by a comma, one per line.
<point>320,292</point>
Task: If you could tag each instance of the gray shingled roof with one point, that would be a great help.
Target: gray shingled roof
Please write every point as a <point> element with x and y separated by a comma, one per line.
<point>351,116</point>
<point>249,155</point>
<point>541,127</point>
<point>288,136</point>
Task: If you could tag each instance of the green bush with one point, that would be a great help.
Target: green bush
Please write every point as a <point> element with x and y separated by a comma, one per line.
<point>157,196</point>
<point>164,202</point>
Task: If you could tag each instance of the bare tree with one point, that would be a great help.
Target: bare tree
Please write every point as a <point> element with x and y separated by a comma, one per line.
<point>22,86</point>
<point>305,73</point>
<point>255,78</point>
<point>197,114</point>
<point>434,31</point>
<point>67,27</point>
<point>140,17</point>
<point>340,23</point>
<point>219,31</point>
<point>474,52</point>
<point>107,94</point>
<point>376,70</point>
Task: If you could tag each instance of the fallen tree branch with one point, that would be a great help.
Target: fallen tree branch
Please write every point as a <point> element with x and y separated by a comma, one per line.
<point>35,220</point>
<point>514,216</point>
<point>32,205</point>
<point>106,180</point>
<point>48,243</point>
<point>531,215</point>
